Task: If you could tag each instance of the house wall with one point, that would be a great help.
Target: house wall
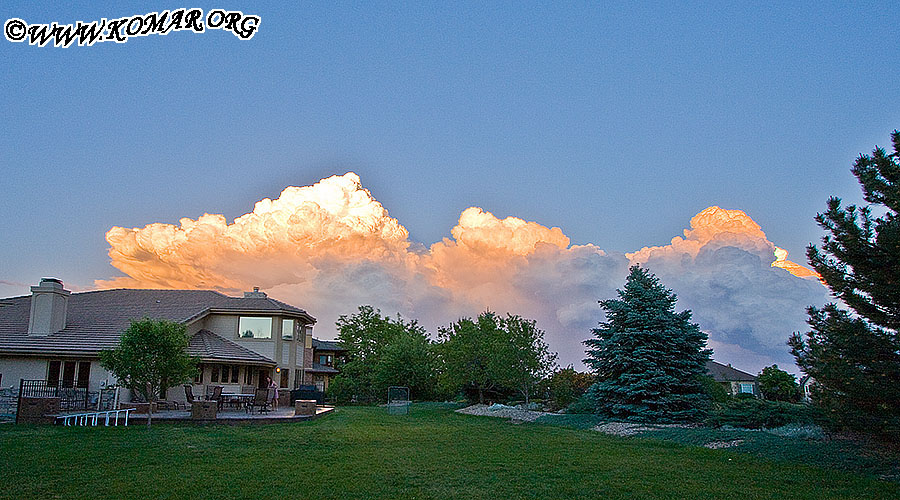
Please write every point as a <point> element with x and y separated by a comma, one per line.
<point>29,368</point>
<point>288,354</point>
<point>734,387</point>
<point>15,369</point>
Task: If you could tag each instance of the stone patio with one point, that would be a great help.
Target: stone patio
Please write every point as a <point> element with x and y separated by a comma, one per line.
<point>231,417</point>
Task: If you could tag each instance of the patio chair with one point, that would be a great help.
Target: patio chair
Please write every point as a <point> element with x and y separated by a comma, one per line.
<point>215,395</point>
<point>189,393</point>
<point>260,401</point>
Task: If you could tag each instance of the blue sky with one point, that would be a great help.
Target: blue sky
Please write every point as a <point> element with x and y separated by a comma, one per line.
<point>614,121</point>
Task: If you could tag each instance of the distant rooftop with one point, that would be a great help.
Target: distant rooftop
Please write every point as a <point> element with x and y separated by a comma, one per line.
<point>725,373</point>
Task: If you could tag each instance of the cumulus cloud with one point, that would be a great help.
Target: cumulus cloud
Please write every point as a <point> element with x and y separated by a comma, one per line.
<point>331,246</point>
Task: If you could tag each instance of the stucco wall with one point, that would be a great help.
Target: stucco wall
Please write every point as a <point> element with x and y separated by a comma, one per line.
<point>14,369</point>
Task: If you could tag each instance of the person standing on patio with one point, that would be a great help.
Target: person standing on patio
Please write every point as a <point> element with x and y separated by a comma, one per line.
<point>274,388</point>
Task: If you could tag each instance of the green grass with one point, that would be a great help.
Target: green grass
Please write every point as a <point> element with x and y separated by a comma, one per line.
<point>837,454</point>
<point>361,452</point>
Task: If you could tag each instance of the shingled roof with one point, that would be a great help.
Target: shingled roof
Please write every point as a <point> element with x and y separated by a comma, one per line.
<point>210,347</point>
<point>95,320</point>
<point>725,373</point>
<point>320,368</point>
<point>327,345</point>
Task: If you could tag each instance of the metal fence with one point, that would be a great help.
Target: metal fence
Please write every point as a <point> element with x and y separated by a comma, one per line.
<point>70,398</point>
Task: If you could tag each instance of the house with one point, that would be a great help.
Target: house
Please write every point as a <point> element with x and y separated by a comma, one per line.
<point>806,388</point>
<point>55,335</point>
<point>735,381</point>
<point>325,353</point>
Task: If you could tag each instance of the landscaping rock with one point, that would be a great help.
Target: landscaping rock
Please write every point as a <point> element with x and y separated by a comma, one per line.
<point>503,411</point>
<point>718,445</point>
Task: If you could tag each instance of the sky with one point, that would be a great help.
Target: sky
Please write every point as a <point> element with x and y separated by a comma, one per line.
<point>615,123</point>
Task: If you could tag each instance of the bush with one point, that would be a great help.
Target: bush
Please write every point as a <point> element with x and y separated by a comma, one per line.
<point>758,413</point>
<point>584,404</point>
<point>716,391</point>
<point>565,386</point>
<point>798,431</point>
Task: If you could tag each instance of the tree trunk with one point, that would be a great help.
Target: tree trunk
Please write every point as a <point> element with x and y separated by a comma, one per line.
<point>150,399</point>
<point>480,395</point>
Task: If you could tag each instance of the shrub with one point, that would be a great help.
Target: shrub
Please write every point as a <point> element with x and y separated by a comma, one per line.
<point>584,404</point>
<point>799,431</point>
<point>758,413</point>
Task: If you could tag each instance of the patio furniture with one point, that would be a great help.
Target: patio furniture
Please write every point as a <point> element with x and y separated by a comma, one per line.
<point>237,400</point>
<point>189,393</point>
<point>260,401</point>
<point>164,404</point>
<point>215,394</point>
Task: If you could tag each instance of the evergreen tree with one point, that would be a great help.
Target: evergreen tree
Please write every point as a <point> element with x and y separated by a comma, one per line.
<point>647,358</point>
<point>855,359</point>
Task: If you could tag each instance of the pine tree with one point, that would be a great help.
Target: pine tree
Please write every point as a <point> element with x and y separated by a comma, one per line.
<point>647,358</point>
<point>855,359</point>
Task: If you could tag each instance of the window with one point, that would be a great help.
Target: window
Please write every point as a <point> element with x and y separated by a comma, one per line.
<point>287,329</point>
<point>224,374</point>
<point>68,379</point>
<point>248,375</point>
<point>746,388</point>
<point>198,377</point>
<point>326,359</point>
<point>84,374</point>
<point>284,377</point>
<point>229,374</point>
<point>69,373</point>
<point>307,334</point>
<point>53,374</point>
<point>254,327</point>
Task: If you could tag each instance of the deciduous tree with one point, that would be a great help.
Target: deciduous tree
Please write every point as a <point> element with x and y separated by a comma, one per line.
<point>151,356</point>
<point>777,384</point>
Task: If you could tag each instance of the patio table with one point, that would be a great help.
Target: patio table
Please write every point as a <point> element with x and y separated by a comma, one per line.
<point>242,399</point>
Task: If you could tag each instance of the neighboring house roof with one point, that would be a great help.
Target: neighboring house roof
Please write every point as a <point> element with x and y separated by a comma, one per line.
<point>725,373</point>
<point>95,320</point>
<point>327,345</point>
<point>318,368</point>
<point>210,347</point>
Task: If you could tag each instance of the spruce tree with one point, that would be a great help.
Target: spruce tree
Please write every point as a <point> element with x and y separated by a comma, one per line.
<point>648,359</point>
<point>855,358</point>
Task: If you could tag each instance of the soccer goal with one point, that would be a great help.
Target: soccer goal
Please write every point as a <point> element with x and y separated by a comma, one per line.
<point>398,400</point>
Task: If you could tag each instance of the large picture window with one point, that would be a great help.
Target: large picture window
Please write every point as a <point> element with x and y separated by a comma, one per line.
<point>255,327</point>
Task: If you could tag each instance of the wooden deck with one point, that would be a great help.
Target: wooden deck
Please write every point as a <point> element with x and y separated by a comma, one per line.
<point>231,417</point>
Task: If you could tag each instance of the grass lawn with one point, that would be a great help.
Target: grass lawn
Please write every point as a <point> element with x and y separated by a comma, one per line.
<point>872,460</point>
<point>362,452</point>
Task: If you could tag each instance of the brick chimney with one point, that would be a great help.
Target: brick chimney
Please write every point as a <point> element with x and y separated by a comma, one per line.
<point>49,301</point>
<point>255,294</point>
